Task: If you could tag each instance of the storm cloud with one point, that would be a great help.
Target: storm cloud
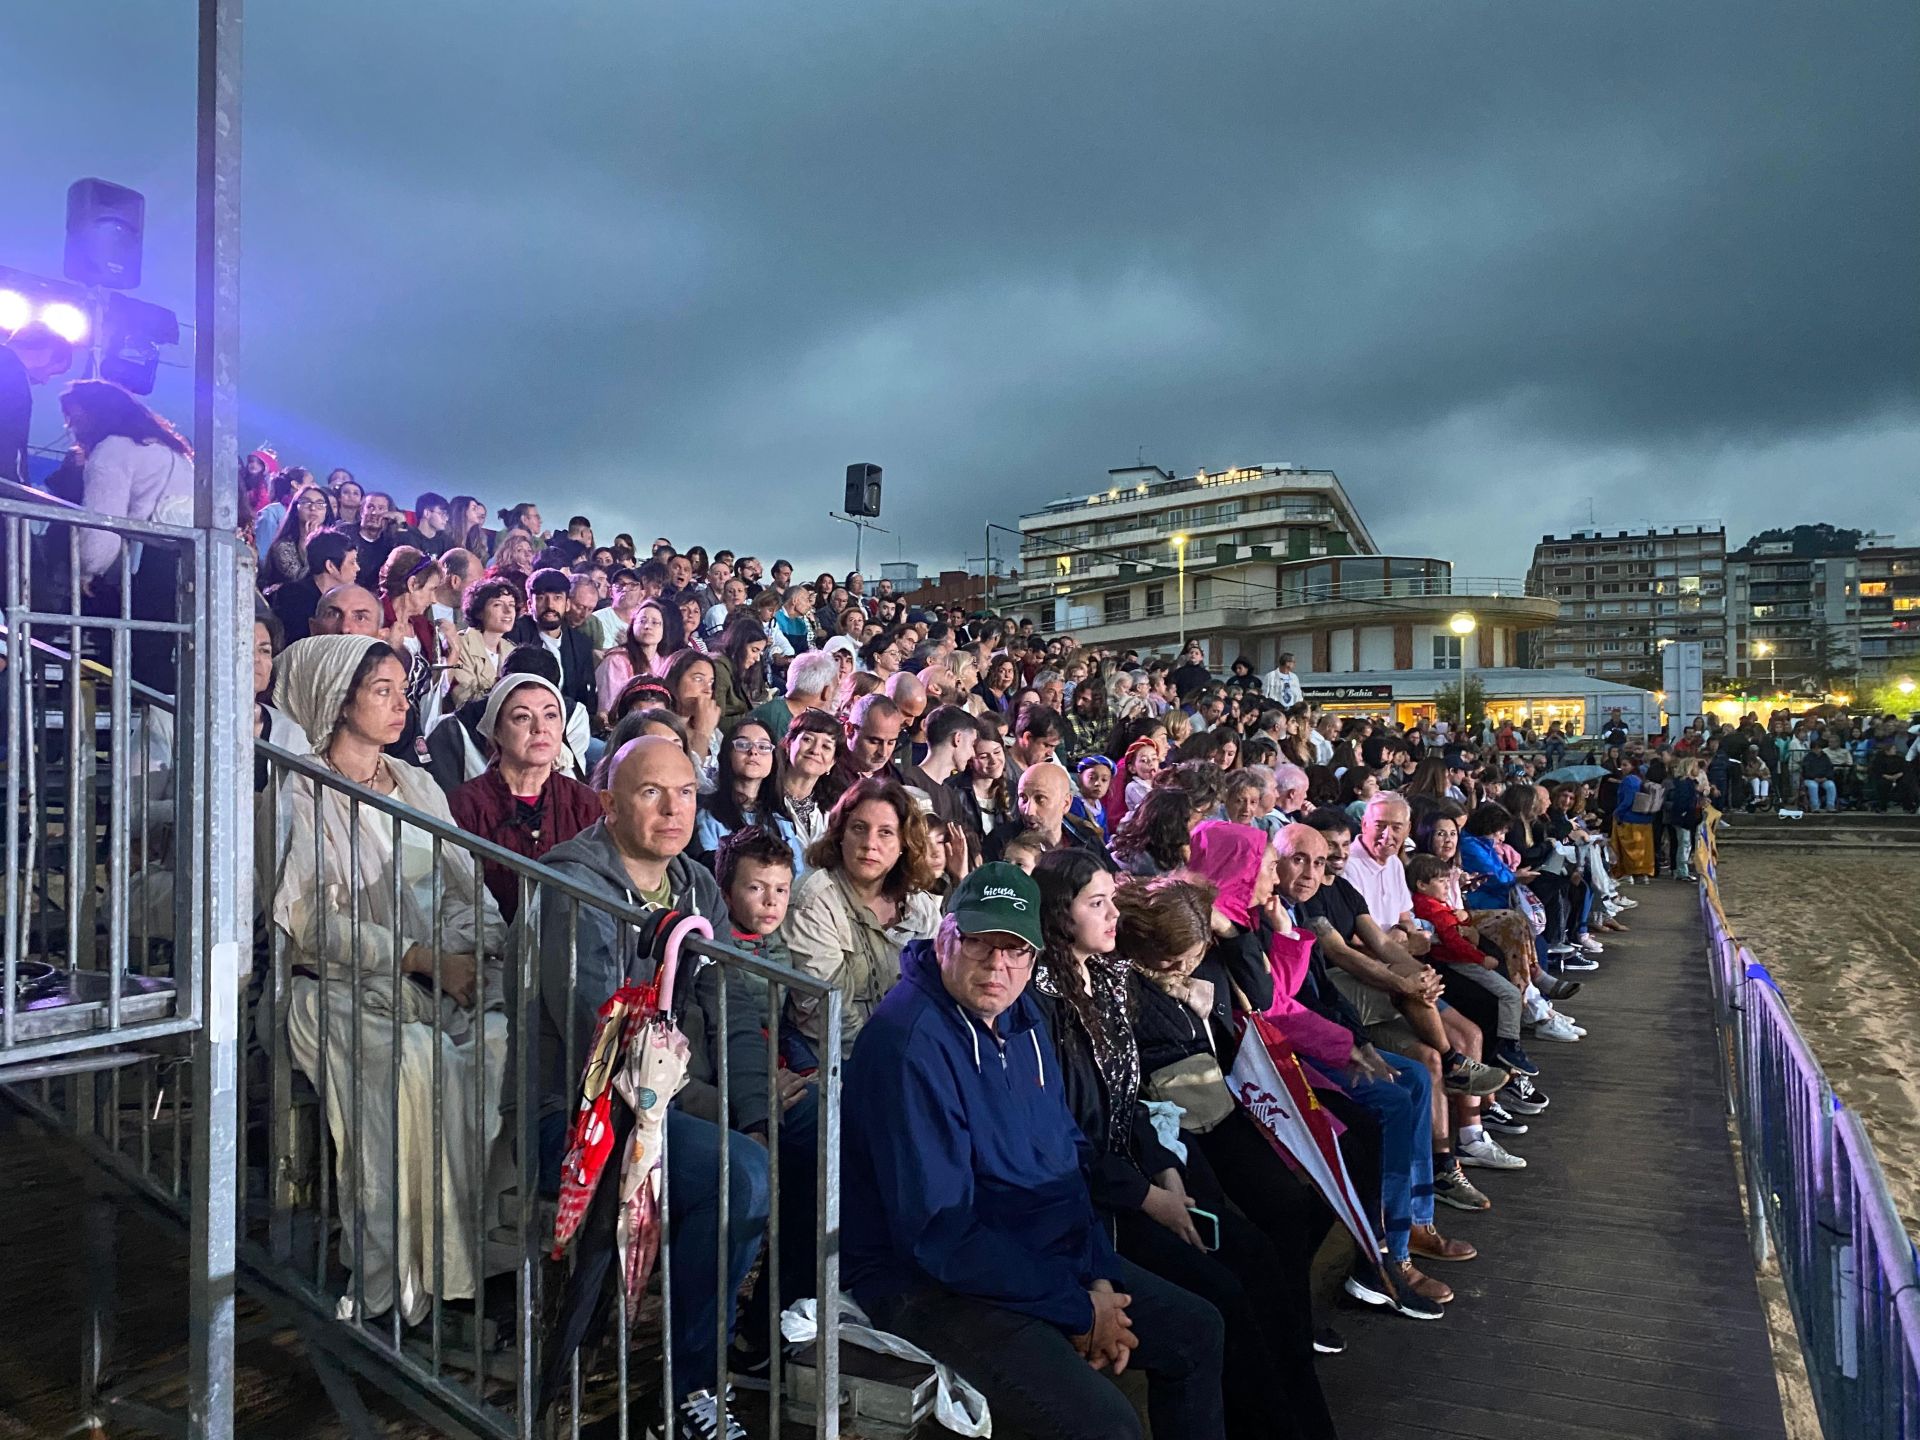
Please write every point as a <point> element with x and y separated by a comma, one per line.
<point>676,266</point>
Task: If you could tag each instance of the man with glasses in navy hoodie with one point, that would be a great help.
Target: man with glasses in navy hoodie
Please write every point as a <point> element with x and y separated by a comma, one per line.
<point>969,1227</point>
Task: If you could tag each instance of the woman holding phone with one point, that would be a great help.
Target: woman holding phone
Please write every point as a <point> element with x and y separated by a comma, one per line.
<point>1168,1215</point>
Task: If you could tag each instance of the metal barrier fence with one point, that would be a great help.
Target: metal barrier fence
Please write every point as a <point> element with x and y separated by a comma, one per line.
<point>115,818</point>
<point>77,978</point>
<point>1816,1198</point>
<point>380,1156</point>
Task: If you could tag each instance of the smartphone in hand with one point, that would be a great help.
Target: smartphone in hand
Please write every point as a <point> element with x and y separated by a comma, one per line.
<point>1208,1224</point>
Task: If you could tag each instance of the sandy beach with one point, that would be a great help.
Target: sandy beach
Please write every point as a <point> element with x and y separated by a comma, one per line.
<point>1841,935</point>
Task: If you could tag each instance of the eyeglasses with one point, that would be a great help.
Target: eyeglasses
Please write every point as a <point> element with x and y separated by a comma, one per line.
<point>751,747</point>
<point>1017,958</point>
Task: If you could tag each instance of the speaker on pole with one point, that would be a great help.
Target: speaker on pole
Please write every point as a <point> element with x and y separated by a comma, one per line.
<point>105,223</point>
<point>863,490</point>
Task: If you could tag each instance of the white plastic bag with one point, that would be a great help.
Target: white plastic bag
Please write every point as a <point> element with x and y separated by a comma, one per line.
<point>958,1406</point>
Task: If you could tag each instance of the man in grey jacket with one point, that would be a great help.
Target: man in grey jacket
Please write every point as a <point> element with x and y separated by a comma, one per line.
<point>634,855</point>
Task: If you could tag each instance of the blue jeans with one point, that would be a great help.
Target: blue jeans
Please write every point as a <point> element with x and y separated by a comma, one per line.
<point>1404,1109</point>
<point>693,1241</point>
<point>1817,788</point>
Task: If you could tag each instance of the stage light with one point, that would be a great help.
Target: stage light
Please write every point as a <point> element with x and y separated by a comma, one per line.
<point>69,322</point>
<point>15,310</point>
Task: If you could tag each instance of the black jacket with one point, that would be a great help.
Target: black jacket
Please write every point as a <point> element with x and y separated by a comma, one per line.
<point>576,660</point>
<point>1118,1182</point>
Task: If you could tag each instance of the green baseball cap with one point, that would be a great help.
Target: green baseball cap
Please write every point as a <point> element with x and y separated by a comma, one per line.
<point>998,899</point>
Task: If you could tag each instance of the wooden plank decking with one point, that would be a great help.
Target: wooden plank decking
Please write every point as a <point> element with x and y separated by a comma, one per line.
<point>1614,1296</point>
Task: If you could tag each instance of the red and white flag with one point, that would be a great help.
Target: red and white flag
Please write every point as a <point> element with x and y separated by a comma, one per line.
<point>1269,1085</point>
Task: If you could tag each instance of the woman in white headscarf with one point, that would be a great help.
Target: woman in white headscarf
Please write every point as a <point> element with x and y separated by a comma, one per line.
<point>356,958</point>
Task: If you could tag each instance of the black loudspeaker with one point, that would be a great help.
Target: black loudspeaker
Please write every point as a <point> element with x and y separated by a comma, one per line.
<point>104,227</point>
<point>863,490</point>
<point>135,331</point>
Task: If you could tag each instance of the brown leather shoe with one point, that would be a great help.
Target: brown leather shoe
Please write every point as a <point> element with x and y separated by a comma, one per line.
<point>1429,1244</point>
<point>1424,1286</point>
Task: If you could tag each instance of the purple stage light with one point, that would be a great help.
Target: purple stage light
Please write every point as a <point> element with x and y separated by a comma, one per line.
<point>69,322</point>
<point>15,310</point>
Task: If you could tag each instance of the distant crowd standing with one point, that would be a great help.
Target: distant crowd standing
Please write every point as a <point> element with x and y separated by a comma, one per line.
<point>1048,883</point>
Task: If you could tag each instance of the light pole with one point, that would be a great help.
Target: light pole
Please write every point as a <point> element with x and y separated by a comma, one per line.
<point>1462,625</point>
<point>1180,551</point>
<point>1905,687</point>
<point>1763,647</point>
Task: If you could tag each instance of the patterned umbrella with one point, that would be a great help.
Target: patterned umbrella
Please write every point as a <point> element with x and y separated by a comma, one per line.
<point>638,1054</point>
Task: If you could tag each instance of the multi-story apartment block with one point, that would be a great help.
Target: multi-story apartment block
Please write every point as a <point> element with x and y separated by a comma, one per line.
<point>1622,593</point>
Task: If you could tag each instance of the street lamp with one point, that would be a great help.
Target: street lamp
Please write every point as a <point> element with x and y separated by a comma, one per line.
<point>1180,550</point>
<point>1762,647</point>
<point>1905,687</point>
<point>1462,625</point>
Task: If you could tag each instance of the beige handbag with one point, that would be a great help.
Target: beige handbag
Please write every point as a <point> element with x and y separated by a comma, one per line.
<point>1197,1086</point>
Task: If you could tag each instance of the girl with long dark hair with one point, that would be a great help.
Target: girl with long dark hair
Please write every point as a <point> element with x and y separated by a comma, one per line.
<point>308,513</point>
<point>747,789</point>
<point>1089,997</point>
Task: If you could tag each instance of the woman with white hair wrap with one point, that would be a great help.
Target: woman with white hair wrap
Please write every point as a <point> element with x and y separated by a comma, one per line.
<point>359,960</point>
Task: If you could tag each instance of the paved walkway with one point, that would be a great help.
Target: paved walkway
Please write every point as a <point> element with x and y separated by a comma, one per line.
<point>1614,1294</point>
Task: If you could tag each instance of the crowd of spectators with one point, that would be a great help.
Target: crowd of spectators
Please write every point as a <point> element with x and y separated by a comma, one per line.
<point>1046,882</point>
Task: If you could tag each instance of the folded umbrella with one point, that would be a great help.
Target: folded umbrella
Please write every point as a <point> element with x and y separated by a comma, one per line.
<point>639,1056</point>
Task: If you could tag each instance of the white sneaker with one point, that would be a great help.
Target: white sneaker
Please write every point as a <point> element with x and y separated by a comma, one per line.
<point>1488,1154</point>
<point>1590,945</point>
<point>1628,903</point>
<point>1555,1027</point>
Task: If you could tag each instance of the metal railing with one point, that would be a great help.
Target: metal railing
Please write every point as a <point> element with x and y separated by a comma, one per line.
<point>1816,1198</point>
<point>1402,587</point>
<point>377,1169</point>
<point>86,750</point>
<point>399,1151</point>
<point>124,917</point>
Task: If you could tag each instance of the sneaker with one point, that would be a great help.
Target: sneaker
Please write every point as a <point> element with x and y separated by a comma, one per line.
<point>1627,902</point>
<point>1523,1097</point>
<point>1467,1076</point>
<point>1579,961</point>
<point>1487,1154</point>
<point>1369,1287</point>
<point>1329,1341</point>
<point>698,1418</point>
<point>1496,1117</point>
<point>1562,950</point>
<point>1590,945</point>
<point>1555,1027</point>
<point>1509,1054</point>
<point>1451,1187</point>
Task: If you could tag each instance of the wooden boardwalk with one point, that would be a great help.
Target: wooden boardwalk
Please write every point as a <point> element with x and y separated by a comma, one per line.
<point>1614,1296</point>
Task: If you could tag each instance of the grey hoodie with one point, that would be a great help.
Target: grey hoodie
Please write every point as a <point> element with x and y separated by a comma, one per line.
<point>591,859</point>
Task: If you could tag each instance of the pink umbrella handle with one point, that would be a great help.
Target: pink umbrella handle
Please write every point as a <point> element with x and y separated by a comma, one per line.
<point>670,954</point>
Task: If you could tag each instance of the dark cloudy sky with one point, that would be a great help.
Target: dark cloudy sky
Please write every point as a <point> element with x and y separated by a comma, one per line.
<point>677,265</point>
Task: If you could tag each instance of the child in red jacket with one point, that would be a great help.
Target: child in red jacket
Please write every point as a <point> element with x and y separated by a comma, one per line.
<point>1462,963</point>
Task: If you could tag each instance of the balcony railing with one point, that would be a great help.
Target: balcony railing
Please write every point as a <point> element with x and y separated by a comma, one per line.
<point>1153,529</point>
<point>1191,483</point>
<point>1405,587</point>
<point>1239,605</point>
